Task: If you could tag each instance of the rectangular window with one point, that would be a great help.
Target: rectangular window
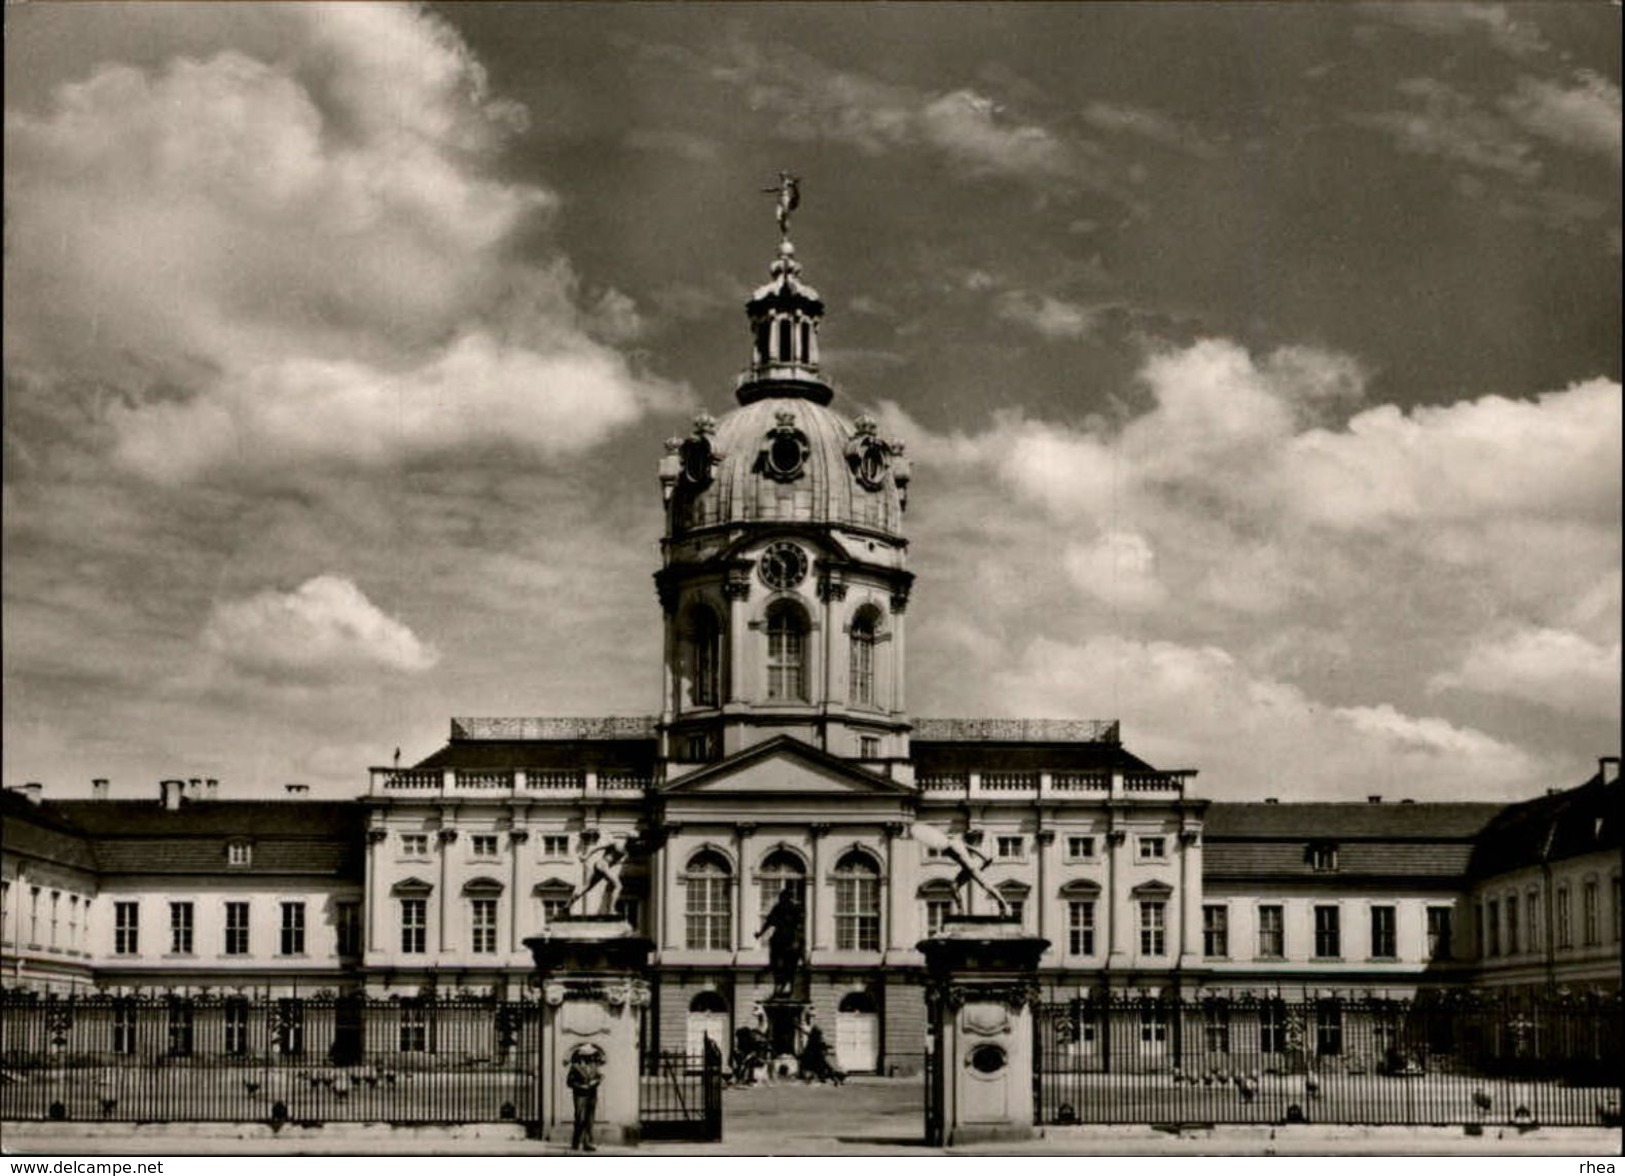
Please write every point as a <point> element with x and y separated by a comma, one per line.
<point>1008,847</point>
<point>180,928</point>
<point>709,918</point>
<point>56,906</point>
<point>414,925</point>
<point>124,1028</point>
<point>1215,932</point>
<point>1328,1029</point>
<point>936,910</point>
<point>347,917</point>
<point>235,1011</point>
<point>1439,933</point>
<point>483,916</point>
<point>869,747</point>
<point>1272,1033</point>
<point>180,1028</point>
<point>1613,904</point>
<point>1565,919</point>
<point>1384,933</point>
<point>1153,1025</point>
<point>73,921</point>
<point>1153,920</point>
<point>1590,914</point>
<point>483,845</point>
<point>1153,848</point>
<point>1271,932</point>
<point>857,913</point>
<point>238,853</point>
<point>555,904</point>
<point>555,845</point>
<point>1080,927</point>
<point>414,1036</point>
<point>1531,920</point>
<point>1079,848</point>
<point>236,928</point>
<point>1328,933</point>
<point>1492,926</point>
<point>126,928</point>
<point>290,1027</point>
<point>1216,1028</point>
<point>1016,909</point>
<point>1323,858</point>
<point>414,845</point>
<point>293,928</point>
<point>1512,924</point>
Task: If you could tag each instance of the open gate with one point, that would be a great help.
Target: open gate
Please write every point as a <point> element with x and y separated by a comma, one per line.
<point>680,1096</point>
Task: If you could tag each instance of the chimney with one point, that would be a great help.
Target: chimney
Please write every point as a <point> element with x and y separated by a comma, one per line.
<point>194,789</point>
<point>1374,798</point>
<point>211,788</point>
<point>297,789</point>
<point>34,790</point>
<point>1407,800</point>
<point>1608,768</point>
<point>171,791</point>
<point>99,788</point>
<point>1271,800</point>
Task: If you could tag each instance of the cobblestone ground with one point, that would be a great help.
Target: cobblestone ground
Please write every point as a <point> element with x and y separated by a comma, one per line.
<point>795,1118</point>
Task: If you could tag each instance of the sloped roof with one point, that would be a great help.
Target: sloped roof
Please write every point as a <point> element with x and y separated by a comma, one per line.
<point>932,756</point>
<point>1553,827</point>
<point>42,831</point>
<point>1343,822</point>
<point>308,837</point>
<point>624,755</point>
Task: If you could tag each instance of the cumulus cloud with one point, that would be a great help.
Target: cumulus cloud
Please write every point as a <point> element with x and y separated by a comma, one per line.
<point>1550,667</point>
<point>1585,116</point>
<point>321,630</point>
<point>1045,315</point>
<point>1450,125</point>
<point>1152,125</point>
<point>277,255</point>
<point>1119,568</point>
<point>1251,734</point>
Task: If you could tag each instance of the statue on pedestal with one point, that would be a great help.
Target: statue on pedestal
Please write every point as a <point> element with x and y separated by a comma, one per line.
<point>970,860</point>
<point>787,947</point>
<point>601,864</point>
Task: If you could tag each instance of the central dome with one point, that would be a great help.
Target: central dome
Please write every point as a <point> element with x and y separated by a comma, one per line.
<point>793,460</point>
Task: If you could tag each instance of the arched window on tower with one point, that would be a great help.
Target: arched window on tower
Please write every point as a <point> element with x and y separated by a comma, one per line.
<point>786,653</point>
<point>779,869</point>
<point>806,342</point>
<point>857,903</point>
<point>785,352</point>
<point>703,654</point>
<point>764,341</point>
<point>708,908</point>
<point>862,675</point>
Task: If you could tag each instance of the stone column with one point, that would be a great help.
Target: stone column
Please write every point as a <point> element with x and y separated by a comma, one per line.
<point>375,837</point>
<point>982,978</point>
<point>593,988</point>
<point>446,839</point>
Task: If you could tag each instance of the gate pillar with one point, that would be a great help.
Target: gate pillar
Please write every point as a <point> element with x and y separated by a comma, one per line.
<point>591,969</point>
<point>981,981</point>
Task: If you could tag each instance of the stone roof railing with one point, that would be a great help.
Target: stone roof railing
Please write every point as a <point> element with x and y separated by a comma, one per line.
<point>1018,730</point>
<point>590,727</point>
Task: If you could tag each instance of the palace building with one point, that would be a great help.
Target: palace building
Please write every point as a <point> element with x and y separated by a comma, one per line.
<point>784,754</point>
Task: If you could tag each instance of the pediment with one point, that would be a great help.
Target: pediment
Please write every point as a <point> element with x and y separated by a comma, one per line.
<point>783,767</point>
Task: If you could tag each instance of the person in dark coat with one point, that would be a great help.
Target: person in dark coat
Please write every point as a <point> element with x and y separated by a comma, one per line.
<point>585,1072</point>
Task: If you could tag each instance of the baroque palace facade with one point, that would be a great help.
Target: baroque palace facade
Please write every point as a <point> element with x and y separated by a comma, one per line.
<point>784,755</point>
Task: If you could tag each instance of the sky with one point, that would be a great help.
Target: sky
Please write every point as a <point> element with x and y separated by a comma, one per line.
<point>1259,366</point>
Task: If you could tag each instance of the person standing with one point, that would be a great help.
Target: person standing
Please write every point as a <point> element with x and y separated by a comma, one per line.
<point>585,1073</point>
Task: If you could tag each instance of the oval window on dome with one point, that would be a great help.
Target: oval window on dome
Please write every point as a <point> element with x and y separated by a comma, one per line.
<point>785,455</point>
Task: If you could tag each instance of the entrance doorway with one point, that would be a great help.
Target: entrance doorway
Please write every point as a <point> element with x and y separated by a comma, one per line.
<point>707,1017</point>
<point>857,1034</point>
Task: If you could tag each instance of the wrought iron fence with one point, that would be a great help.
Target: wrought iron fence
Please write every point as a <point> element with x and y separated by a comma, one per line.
<point>205,1058</point>
<point>1448,1062</point>
<point>680,1097</point>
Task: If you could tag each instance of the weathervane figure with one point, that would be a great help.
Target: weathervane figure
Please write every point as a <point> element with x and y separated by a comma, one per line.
<point>788,190</point>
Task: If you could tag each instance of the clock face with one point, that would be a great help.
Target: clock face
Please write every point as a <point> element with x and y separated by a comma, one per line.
<point>784,565</point>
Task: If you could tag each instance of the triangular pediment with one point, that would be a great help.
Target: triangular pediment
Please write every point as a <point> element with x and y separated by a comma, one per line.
<point>783,766</point>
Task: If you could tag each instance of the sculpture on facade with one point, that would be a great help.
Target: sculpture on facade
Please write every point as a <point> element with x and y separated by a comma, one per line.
<point>788,190</point>
<point>601,864</point>
<point>788,944</point>
<point>970,861</point>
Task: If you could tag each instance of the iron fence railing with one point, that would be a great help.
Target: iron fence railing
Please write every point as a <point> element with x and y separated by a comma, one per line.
<point>680,1096</point>
<point>1422,1062</point>
<point>203,1058</point>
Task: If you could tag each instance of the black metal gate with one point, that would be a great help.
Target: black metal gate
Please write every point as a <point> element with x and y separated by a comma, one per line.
<point>680,1096</point>
<point>182,1057</point>
<point>1451,1061</point>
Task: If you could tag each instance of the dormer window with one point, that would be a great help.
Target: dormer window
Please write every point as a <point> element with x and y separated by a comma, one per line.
<point>239,853</point>
<point>1322,857</point>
